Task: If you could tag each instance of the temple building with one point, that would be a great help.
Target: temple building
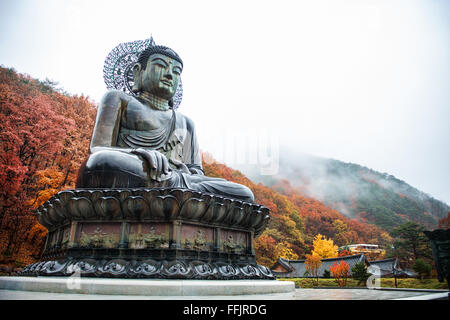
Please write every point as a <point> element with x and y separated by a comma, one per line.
<point>371,251</point>
<point>285,268</point>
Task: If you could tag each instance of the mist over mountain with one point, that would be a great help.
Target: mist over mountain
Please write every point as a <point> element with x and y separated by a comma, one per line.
<point>354,190</point>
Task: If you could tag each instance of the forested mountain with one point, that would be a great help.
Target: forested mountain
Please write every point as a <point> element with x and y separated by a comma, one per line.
<point>356,191</point>
<point>297,219</point>
<point>44,136</point>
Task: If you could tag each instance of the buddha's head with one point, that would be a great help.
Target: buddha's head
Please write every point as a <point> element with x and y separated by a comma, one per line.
<point>157,72</point>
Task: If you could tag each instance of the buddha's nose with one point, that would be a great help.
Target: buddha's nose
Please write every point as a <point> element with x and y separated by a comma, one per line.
<point>168,75</point>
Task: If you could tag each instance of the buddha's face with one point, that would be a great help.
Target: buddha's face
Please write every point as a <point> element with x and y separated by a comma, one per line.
<point>160,76</point>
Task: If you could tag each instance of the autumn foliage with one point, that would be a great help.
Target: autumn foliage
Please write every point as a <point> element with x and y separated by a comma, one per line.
<point>340,272</point>
<point>312,264</point>
<point>324,248</point>
<point>296,220</point>
<point>444,223</point>
<point>44,136</point>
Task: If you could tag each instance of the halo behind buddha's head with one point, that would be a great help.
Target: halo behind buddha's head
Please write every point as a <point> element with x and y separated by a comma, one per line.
<point>118,70</point>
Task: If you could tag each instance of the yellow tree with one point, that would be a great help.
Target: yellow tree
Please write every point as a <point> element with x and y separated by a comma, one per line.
<point>324,248</point>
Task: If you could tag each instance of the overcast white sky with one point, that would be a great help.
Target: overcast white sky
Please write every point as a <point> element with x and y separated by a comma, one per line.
<point>360,81</point>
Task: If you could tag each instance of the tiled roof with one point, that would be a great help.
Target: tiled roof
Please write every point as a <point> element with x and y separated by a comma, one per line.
<point>386,264</point>
<point>298,269</point>
<point>383,268</point>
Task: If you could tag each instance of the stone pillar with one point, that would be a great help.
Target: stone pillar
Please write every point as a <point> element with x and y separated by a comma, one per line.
<point>73,233</point>
<point>217,241</point>
<point>175,235</point>
<point>250,248</point>
<point>124,232</point>
<point>59,236</point>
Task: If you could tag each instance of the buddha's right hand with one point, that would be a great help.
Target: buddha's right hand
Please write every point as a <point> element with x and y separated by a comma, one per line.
<point>157,162</point>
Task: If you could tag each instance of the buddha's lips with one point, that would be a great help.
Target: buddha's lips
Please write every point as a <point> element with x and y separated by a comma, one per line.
<point>167,83</point>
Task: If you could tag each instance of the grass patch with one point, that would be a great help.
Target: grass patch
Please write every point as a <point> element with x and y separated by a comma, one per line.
<point>410,283</point>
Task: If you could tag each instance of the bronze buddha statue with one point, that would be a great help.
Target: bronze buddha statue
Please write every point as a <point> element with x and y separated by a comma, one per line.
<point>141,141</point>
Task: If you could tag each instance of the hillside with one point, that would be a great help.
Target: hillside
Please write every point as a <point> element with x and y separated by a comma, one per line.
<point>297,219</point>
<point>356,191</point>
<point>44,137</point>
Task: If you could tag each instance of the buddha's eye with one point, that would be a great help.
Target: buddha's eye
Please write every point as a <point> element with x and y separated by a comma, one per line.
<point>177,71</point>
<point>160,62</point>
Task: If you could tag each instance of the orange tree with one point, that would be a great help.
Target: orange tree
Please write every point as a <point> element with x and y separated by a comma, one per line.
<point>340,272</point>
<point>312,265</point>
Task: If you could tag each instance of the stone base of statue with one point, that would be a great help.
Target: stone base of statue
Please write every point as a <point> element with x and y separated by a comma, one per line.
<point>150,233</point>
<point>101,288</point>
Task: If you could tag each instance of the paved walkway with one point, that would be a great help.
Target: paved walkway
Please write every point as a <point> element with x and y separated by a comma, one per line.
<point>299,294</point>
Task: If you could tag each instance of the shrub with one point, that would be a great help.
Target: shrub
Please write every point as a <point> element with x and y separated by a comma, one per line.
<point>359,272</point>
<point>340,272</point>
<point>422,268</point>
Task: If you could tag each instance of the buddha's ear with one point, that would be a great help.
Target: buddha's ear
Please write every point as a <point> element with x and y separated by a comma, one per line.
<point>137,77</point>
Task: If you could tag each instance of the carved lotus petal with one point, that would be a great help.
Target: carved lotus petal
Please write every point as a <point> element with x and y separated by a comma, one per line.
<point>182,195</point>
<point>216,212</point>
<point>208,198</point>
<point>257,217</point>
<point>60,210</point>
<point>65,196</point>
<point>83,193</point>
<point>165,207</point>
<point>228,217</point>
<point>264,213</point>
<point>135,207</point>
<point>95,195</point>
<point>121,194</point>
<point>237,215</point>
<point>42,218</point>
<point>247,215</point>
<point>52,215</point>
<point>209,213</point>
<point>81,208</point>
<point>108,207</point>
<point>193,208</point>
<point>220,212</point>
